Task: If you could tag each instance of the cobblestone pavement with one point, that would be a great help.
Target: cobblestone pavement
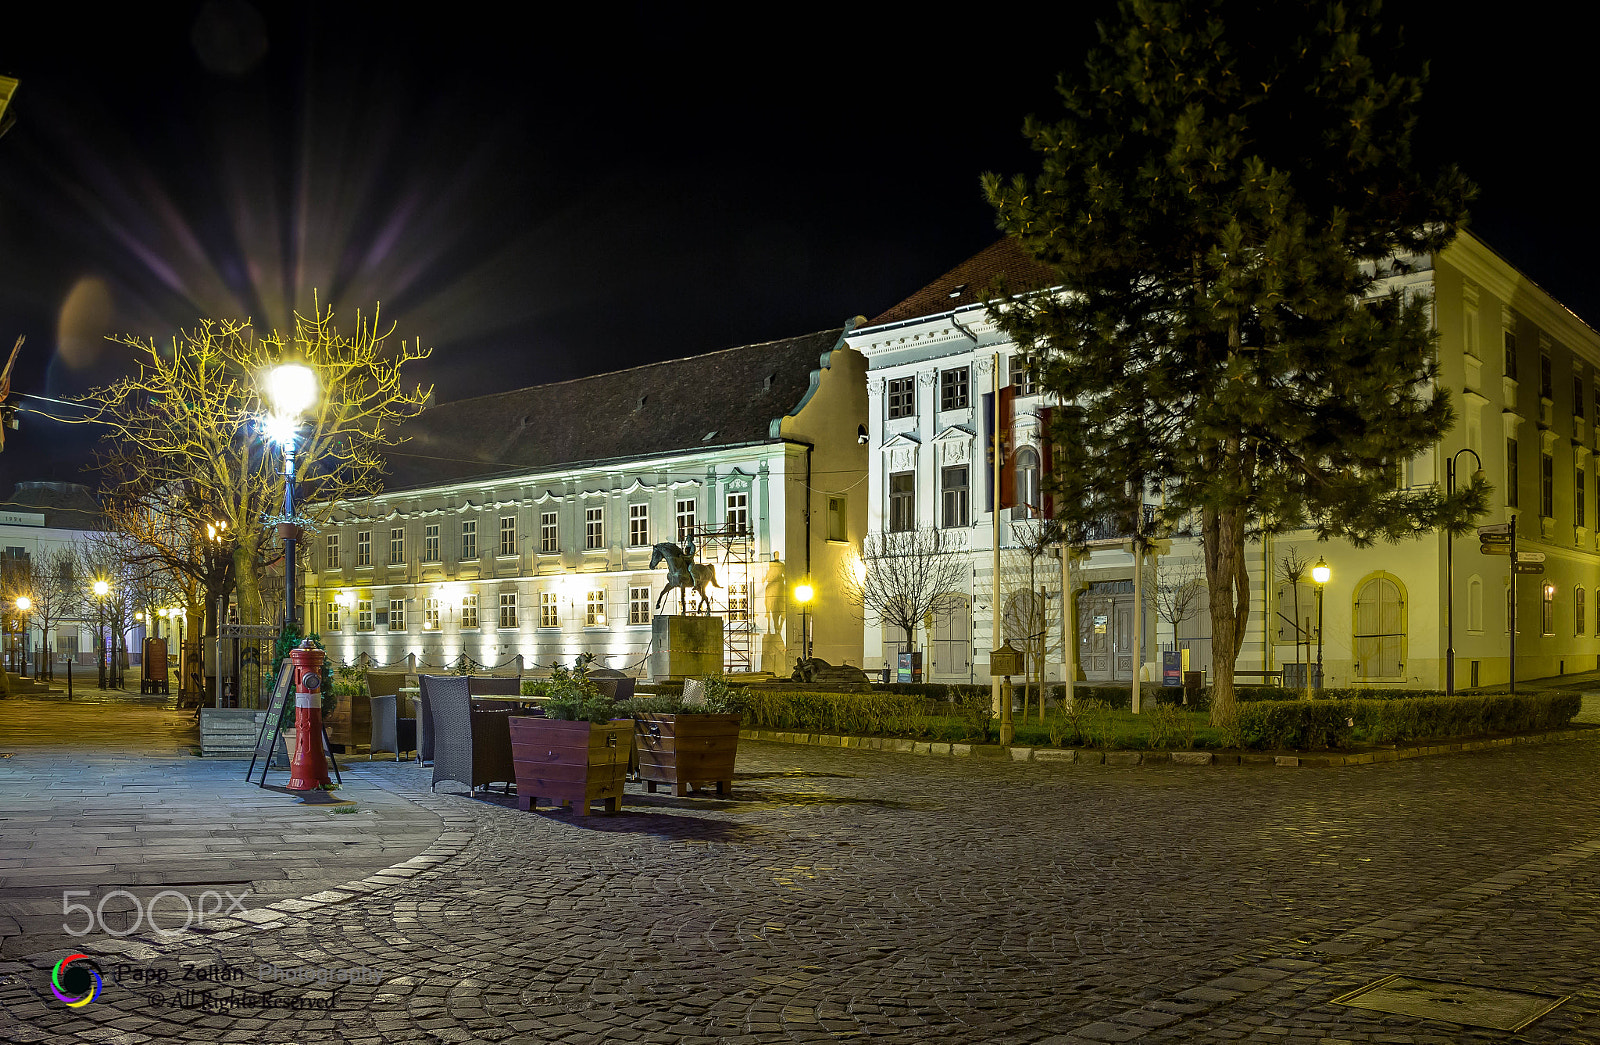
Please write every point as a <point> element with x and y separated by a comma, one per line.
<point>852,894</point>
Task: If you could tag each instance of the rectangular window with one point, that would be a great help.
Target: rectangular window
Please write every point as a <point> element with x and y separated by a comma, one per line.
<point>738,601</point>
<point>1547,486</point>
<point>1577,396</point>
<point>549,610</point>
<point>1511,354</point>
<point>430,543</point>
<point>469,610</point>
<point>334,624</point>
<point>333,551</point>
<point>738,512</point>
<point>902,501</point>
<point>1547,610</point>
<point>508,609</point>
<point>1580,507</point>
<point>594,611</point>
<point>594,527</point>
<point>430,615</point>
<point>638,525</point>
<point>549,535</point>
<point>1579,607</point>
<point>508,535</point>
<point>902,397</point>
<point>639,605</point>
<point>364,615</point>
<point>1547,387</point>
<point>838,520</point>
<point>364,548</point>
<point>1511,473</point>
<point>397,616</point>
<point>955,496</point>
<point>685,520</point>
<point>397,547</point>
<point>954,388</point>
<point>1024,375</point>
<point>469,540</point>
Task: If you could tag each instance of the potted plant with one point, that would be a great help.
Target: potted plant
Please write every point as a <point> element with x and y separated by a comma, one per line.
<point>576,753</point>
<point>687,745</point>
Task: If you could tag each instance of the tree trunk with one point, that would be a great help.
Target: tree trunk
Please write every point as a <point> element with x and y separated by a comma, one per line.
<point>1222,533</point>
<point>246,583</point>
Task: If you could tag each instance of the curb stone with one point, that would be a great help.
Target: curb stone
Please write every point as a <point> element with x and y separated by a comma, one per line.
<point>1087,757</point>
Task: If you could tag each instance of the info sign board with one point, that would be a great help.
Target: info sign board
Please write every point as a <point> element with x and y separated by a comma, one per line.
<point>1172,667</point>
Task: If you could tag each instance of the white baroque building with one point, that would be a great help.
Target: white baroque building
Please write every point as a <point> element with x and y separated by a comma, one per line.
<point>1524,376</point>
<point>520,524</point>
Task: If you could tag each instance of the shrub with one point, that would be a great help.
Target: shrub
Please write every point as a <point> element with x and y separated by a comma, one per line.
<point>1313,725</point>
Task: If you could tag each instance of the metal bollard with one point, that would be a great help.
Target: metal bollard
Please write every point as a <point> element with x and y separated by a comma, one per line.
<point>69,680</point>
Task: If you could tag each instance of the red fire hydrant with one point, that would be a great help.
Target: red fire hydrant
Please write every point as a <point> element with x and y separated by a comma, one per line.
<point>309,771</point>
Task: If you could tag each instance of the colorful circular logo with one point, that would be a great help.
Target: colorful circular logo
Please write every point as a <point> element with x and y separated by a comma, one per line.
<point>76,973</point>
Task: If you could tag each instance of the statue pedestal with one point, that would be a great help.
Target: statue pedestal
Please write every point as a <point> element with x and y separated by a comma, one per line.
<point>685,647</point>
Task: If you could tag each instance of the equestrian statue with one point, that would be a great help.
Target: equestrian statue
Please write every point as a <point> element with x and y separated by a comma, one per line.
<point>684,573</point>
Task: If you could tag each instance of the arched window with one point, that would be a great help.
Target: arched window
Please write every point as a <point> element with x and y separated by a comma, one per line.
<point>1547,609</point>
<point>1029,503</point>
<point>1475,604</point>
<point>1578,610</point>
<point>1380,629</point>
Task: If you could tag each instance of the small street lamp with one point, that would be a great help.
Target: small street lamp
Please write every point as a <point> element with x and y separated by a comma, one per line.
<point>24,604</point>
<point>1320,573</point>
<point>100,589</point>
<point>292,387</point>
<point>803,594</point>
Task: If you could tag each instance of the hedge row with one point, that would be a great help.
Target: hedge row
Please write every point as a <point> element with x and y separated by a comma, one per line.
<point>874,713</point>
<point>1314,725</point>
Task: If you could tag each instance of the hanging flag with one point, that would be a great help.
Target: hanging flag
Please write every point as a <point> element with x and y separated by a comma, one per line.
<point>1008,479</point>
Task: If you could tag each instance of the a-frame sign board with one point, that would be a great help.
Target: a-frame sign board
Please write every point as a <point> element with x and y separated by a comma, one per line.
<point>272,729</point>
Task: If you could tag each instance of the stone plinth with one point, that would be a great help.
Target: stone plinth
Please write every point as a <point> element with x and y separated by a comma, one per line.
<point>685,647</point>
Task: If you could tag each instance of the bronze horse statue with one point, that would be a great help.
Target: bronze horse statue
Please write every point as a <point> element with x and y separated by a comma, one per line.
<point>684,573</point>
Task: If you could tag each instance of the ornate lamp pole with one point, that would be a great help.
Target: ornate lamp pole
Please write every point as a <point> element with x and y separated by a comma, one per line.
<point>1450,574</point>
<point>24,604</point>
<point>802,594</point>
<point>101,589</point>
<point>1320,573</point>
<point>292,387</point>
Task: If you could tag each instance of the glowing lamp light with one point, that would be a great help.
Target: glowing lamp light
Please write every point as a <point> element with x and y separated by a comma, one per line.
<point>101,589</point>
<point>345,598</point>
<point>803,592</point>
<point>291,387</point>
<point>24,603</point>
<point>1320,572</point>
<point>139,615</point>
<point>281,428</point>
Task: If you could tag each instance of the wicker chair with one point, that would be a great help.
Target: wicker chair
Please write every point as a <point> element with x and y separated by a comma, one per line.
<point>472,747</point>
<point>389,731</point>
<point>425,715</point>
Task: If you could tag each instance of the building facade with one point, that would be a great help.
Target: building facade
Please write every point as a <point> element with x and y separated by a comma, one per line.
<point>521,525</point>
<point>1523,373</point>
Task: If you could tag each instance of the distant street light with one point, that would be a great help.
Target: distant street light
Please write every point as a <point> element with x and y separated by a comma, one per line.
<point>803,594</point>
<point>1450,572</point>
<point>100,589</point>
<point>24,604</point>
<point>292,387</point>
<point>1320,573</point>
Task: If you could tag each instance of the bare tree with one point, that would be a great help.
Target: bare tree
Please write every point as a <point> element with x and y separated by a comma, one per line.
<point>1181,592</point>
<point>1293,568</point>
<point>53,589</point>
<point>196,413</point>
<point>903,578</point>
<point>1030,623</point>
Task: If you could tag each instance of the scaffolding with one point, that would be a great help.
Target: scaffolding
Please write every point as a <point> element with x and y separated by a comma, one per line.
<point>731,549</point>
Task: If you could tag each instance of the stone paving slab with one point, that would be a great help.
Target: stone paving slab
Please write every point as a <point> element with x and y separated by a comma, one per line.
<point>845,893</point>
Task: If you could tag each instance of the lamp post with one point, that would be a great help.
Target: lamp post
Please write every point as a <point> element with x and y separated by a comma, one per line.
<point>803,594</point>
<point>24,604</point>
<point>292,387</point>
<point>1320,573</point>
<point>101,589</point>
<point>1450,573</point>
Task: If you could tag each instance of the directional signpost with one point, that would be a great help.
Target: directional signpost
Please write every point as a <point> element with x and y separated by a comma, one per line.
<point>1501,539</point>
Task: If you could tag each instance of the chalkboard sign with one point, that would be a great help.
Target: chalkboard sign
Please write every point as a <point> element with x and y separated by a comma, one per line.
<point>272,728</point>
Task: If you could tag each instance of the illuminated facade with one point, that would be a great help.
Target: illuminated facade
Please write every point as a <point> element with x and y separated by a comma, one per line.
<point>521,524</point>
<point>1524,377</point>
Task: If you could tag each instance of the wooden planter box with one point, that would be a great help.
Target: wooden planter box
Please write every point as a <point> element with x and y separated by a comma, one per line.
<point>572,762</point>
<point>686,751</point>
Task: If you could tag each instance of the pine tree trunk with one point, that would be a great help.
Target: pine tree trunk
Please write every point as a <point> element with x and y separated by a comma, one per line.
<point>246,583</point>
<point>1222,532</point>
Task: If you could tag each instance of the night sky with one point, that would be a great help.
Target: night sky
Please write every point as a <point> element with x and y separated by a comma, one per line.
<point>554,195</point>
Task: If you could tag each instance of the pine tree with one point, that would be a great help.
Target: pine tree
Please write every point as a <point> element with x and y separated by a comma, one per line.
<point>1229,187</point>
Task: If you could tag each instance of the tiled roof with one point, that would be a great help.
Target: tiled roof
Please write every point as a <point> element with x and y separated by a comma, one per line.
<point>67,506</point>
<point>970,282</point>
<point>718,399</point>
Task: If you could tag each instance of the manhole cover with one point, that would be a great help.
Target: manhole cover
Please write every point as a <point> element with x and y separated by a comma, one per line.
<point>1452,1002</point>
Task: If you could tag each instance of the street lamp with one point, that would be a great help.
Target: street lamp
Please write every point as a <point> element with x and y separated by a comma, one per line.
<point>292,387</point>
<point>1450,572</point>
<point>24,604</point>
<point>803,594</point>
<point>100,589</point>
<point>1320,573</point>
